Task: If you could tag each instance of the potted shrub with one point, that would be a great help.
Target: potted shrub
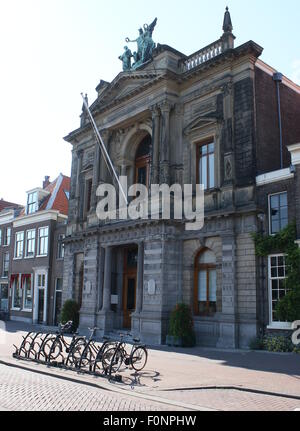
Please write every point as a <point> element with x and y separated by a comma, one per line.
<point>181,327</point>
<point>70,311</point>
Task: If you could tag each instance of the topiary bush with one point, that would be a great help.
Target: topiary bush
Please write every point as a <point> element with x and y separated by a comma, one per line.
<point>70,311</point>
<point>181,325</point>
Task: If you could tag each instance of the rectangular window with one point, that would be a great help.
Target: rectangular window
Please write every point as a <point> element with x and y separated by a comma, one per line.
<point>19,245</point>
<point>30,243</point>
<point>7,236</point>
<point>5,267</point>
<point>17,291</point>
<point>43,241</point>
<point>27,289</point>
<point>207,291</point>
<point>0,236</point>
<point>32,203</point>
<point>60,247</point>
<point>88,194</point>
<point>206,165</point>
<point>278,212</point>
<point>277,283</point>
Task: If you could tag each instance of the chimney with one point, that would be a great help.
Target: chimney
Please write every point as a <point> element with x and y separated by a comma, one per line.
<point>46,182</point>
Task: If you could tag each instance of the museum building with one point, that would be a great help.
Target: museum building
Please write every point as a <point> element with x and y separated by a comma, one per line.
<point>209,118</point>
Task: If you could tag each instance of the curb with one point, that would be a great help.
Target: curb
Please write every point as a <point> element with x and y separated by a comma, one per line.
<point>107,387</point>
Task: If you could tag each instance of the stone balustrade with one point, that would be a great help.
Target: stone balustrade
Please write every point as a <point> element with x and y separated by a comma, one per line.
<point>201,56</point>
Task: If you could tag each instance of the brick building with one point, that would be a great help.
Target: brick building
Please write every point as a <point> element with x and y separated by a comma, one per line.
<point>208,118</point>
<point>35,270</point>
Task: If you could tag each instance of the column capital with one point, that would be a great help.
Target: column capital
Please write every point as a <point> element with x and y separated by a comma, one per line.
<point>155,110</point>
<point>166,106</point>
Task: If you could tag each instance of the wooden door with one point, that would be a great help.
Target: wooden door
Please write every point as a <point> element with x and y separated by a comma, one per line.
<point>129,298</point>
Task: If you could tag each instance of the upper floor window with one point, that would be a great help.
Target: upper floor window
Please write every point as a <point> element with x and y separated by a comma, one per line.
<point>60,247</point>
<point>206,165</point>
<point>30,243</point>
<point>88,194</point>
<point>43,241</point>
<point>205,293</point>
<point>19,245</point>
<point>142,162</point>
<point>32,203</point>
<point>278,212</point>
<point>5,267</point>
<point>7,236</point>
<point>0,236</point>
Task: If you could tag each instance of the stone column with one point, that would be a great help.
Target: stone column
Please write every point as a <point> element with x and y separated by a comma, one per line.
<point>165,108</point>
<point>107,280</point>
<point>228,327</point>
<point>140,279</point>
<point>95,177</point>
<point>103,165</point>
<point>100,287</point>
<point>155,143</point>
<point>79,168</point>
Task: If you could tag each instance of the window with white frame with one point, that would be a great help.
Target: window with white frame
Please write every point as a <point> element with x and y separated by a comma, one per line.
<point>30,243</point>
<point>7,236</point>
<point>5,266</point>
<point>206,164</point>
<point>41,281</point>
<point>277,284</point>
<point>43,241</point>
<point>278,212</point>
<point>32,203</point>
<point>19,245</point>
<point>17,291</point>
<point>60,247</point>
<point>27,289</point>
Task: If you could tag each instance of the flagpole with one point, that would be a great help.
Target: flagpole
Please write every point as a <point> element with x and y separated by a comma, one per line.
<point>103,148</point>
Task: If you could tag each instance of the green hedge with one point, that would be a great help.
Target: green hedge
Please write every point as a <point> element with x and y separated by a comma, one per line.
<point>70,311</point>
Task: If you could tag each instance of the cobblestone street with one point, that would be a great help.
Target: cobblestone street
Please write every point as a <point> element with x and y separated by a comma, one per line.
<point>27,391</point>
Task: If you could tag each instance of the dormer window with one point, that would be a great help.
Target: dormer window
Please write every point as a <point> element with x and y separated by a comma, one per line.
<point>32,203</point>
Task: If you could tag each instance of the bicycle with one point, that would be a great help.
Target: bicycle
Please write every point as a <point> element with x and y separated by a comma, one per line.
<point>89,352</point>
<point>98,364</point>
<point>54,346</point>
<point>114,357</point>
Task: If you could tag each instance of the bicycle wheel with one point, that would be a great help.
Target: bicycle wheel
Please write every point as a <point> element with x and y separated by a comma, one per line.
<point>138,358</point>
<point>112,360</point>
<point>76,351</point>
<point>52,349</point>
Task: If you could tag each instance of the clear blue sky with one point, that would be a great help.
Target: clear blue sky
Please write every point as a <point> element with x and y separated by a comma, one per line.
<point>52,50</point>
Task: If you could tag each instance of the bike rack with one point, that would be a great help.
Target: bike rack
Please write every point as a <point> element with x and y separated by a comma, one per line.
<point>35,353</point>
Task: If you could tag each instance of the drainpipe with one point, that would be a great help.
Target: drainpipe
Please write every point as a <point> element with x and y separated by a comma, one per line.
<point>277,77</point>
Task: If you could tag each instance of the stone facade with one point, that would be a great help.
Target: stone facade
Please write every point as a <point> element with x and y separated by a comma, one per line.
<point>179,102</point>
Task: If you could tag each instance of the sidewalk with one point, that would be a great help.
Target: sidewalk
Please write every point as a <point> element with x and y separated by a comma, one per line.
<point>169,370</point>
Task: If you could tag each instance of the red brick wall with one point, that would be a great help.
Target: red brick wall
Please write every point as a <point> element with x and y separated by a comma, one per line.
<point>267,129</point>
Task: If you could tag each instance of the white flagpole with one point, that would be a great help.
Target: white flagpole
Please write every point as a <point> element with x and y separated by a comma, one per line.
<point>103,148</point>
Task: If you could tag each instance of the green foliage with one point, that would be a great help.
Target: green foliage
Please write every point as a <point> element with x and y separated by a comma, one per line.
<point>70,311</point>
<point>182,326</point>
<point>288,308</point>
<point>274,343</point>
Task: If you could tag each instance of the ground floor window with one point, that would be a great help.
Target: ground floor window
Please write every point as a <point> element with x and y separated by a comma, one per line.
<point>16,291</point>
<point>277,283</point>
<point>58,300</point>
<point>205,291</point>
<point>27,289</point>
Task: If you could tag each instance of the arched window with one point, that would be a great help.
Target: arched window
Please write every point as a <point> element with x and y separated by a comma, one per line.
<point>142,162</point>
<point>205,290</point>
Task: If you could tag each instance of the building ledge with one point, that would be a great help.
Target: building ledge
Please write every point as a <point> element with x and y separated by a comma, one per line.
<point>282,326</point>
<point>273,177</point>
<point>295,153</point>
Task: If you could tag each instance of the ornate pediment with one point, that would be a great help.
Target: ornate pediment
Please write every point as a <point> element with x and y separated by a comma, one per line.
<point>199,123</point>
<point>125,85</point>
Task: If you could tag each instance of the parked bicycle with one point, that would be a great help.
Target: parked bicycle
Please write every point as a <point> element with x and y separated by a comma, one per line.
<point>54,347</point>
<point>114,357</point>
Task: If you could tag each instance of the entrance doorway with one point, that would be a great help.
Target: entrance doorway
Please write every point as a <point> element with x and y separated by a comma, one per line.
<point>4,297</point>
<point>41,306</point>
<point>129,285</point>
